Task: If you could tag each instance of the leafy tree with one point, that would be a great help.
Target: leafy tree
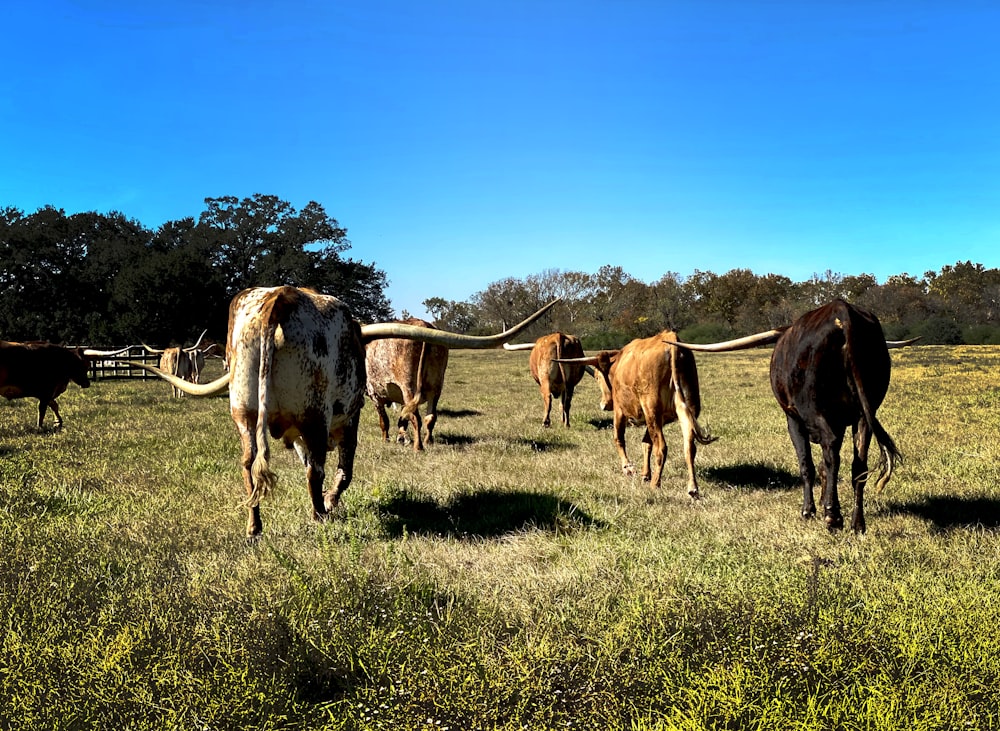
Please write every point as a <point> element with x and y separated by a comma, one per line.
<point>457,317</point>
<point>264,241</point>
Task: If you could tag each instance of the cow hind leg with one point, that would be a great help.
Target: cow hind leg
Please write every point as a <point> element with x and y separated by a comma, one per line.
<point>567,401</point>
<point>431,419</point>
<point>246,429</point>
<point>43,404</point>
<point>655,451</point>
<point>383,419</point>
<point>807,469</point>
<point>859,474</point>
<point>831,445</point>
<point>410,415</point>
<point>690,451</point>
<point>547,405</point>
<point>311,447</point>
<point>346,440</point>
<point>628,469</point>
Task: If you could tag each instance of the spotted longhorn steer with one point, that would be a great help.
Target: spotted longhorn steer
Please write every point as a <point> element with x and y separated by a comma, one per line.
<point>830,370</point>
<point>555,378</point>
<point>409,373</point>
<point>177,362</point>
<point>297,371</point>
<point>185,363</point>
<point>649,383</point>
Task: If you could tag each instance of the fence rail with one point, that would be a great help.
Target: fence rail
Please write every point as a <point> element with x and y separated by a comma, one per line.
<point>107,369</point>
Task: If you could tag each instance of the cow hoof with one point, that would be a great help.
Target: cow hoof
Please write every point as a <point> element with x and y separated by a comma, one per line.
<point>834,523</point>
<point>694,494</point>
<point>628,470</point>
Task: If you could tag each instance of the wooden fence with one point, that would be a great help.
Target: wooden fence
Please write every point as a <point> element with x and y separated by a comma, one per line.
<point>106,369</point>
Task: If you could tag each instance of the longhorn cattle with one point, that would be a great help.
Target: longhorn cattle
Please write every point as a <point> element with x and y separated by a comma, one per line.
<point>178,363</point>
<point>185,363</point>
<point>554,377</point>
<point>43,371</point>
<point>297,371</point>
<point>648,383</point>
<point>830,370</point>
<point>409,373</point>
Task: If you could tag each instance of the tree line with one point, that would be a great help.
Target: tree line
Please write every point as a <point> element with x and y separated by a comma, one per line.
<point>105,279</point>
<point>958,304</point>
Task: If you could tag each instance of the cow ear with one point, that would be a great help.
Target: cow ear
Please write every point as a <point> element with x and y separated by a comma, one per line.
<point>605,359</point>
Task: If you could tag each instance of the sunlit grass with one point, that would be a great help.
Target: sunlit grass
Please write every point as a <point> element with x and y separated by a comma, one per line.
<point>509,577</point>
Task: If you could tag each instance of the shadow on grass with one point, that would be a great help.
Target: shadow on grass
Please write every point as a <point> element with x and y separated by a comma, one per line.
<point>458,413</point>
<point>551,444</point>
<point>754,476</point>
<point>485,514</point>
<point>453,440</point>
<point>946,512</point>
<point>599,422</point>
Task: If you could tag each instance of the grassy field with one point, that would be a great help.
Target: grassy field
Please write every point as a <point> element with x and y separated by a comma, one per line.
<point>507,578</point>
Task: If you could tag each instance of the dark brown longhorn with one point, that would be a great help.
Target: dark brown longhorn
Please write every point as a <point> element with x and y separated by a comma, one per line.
<point>830,370</point>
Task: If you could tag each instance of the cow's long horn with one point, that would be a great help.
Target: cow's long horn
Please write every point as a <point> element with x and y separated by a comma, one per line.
<point>901,343</point>
<point>192,389</point>
<point>151,350</point>
<point>589,360</point>
<point>750,341</point>
<point>90,353</point>
<point>519,346</point>
<point>197,343</point>
<point>443,337</point>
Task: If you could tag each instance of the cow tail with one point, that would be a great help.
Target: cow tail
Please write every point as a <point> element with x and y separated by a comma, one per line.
<point>264,479</point>
<point>410,408</point>
<point>889,455</point>
<point>562,368</point>
<point>684,381</point>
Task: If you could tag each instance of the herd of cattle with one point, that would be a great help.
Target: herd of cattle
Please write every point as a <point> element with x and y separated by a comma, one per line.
<point>298,367</point>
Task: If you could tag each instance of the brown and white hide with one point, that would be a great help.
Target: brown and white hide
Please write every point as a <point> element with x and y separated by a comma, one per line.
<point>408,373</point>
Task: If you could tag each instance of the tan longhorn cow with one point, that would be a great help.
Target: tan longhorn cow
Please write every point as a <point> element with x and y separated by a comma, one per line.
<point>185,363</point>
<point>297,372</point>
<point>555,378</point>
<point>649,383</point>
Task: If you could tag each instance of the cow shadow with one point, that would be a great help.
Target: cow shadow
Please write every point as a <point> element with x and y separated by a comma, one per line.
<point>755,476</point>
<point>601,422</point>
<point>458,413</point>
<point>453,440</point>
<point>483,514</point>
<point>551,444</point>
<point>948,512</point>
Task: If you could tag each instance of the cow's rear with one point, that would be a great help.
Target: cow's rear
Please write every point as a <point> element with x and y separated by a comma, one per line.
<point>409,373</point>
<point>555,378</point>
<point>830,370</point>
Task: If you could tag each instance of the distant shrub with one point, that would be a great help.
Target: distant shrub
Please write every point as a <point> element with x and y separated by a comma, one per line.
<point>709,332</point>
<point>982,335</point>
<point>605,340</point>
<point>940,331</point>
<point>897,331</point>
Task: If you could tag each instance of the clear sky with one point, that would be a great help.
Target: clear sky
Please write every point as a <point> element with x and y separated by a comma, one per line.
<point>461,142</point>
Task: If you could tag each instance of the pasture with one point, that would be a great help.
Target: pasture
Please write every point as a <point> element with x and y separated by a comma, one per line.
<point>507,578</point>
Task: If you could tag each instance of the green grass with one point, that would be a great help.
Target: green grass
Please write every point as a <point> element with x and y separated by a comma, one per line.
<point>507,578</point>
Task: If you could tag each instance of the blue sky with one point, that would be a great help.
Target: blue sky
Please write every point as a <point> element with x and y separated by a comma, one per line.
<point>464,142</point>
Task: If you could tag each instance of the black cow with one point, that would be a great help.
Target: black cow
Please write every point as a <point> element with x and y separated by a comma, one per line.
<point>42,371</point>
<point>830,370</point>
